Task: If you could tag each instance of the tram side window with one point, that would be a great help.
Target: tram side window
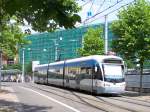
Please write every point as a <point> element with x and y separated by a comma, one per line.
<point>55,73</point>
<point>98,74</point>
<point>72,72</point>
<point>43,72</point>
<point>86,72</point>
<point>51,73</point>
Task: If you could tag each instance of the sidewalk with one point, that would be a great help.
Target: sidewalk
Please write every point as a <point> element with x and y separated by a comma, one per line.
<point>8,100</point>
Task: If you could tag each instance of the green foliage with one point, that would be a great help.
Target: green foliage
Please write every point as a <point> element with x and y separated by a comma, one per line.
<point>133,32</point>
<point>93,43</point>
<point>28,68</point>
<point>10,36</point>
<point>130,63</point>
<point>42,15</point>
<point>13,66</point>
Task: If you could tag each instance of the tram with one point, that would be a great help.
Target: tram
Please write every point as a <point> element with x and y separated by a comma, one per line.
<point>96,73</point>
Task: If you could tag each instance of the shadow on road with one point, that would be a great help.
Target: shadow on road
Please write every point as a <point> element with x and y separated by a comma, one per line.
<point>4,91</point>
<point>7,106</point>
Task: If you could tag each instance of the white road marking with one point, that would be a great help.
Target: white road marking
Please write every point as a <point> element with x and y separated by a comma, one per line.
<point>52,99</point>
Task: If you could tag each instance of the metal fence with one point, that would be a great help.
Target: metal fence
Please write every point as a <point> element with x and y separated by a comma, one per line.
<point>132,79</point>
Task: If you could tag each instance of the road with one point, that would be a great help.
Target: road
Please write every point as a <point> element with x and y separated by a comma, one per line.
<point>41,98</point>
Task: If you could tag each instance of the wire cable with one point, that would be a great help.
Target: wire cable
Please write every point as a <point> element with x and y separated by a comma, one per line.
<point>101,5</point>
<point>113,11</point>
<point>92,4</point>
<point>103,11</point>
<point>86,3</point>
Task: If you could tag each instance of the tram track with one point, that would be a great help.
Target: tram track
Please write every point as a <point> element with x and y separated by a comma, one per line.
<point>124,103</point>
<point>101,103</point>
<point>121,107</point>
<point>134,99</point>
<point>133,102</point>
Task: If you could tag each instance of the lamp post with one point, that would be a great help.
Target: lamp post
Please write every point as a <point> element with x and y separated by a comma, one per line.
<point>23,64</point>
<point>75,45</point>
<point>0,66</point>
<point>56,44</point>
<point>30,50</point>
<point>106,34</point>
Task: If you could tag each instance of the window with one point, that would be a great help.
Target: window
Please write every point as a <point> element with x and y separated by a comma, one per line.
<point>113,61</point>
<point>86,72</point>
<point>71,72</point>
<point>55,73</point>
<point>98,74</point>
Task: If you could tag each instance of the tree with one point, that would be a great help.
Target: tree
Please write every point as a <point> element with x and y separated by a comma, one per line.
<point>93,43</point>
<point>13,66</point>
<point>28,68</point>
<point>42,15</point>
<point>133,32</point>
<point>11,35</point>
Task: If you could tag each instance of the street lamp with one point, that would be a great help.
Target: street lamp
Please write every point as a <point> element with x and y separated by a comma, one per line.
<point>0,66</point>
<point>75,45</point>
<point>56,44</point>
<point>23,64</point>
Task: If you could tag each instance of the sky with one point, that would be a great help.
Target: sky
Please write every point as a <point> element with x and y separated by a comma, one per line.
<point>94,7</point>
<point>98,6</point>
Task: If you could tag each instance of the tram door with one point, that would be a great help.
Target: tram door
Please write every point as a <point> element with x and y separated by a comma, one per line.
<point>70,77</point>
<point>86,78</point>
<point>97,77</point>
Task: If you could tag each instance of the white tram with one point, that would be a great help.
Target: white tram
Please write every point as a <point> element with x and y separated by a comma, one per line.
<point>97,73</point>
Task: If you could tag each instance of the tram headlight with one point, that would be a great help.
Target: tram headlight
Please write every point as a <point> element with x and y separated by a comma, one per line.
<point>107,85</point>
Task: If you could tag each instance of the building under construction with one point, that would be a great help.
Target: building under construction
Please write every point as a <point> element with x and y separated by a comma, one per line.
<point>58,45</point>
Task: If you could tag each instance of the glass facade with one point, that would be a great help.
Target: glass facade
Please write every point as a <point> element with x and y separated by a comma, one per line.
<point>58,45</point>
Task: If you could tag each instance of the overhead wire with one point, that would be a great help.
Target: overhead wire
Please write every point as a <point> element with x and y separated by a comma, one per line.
<point>101,5</point>
<point>92,4</point>
<point>112,11</point>
<point>121,7</point>
<point>86,3</point>
<point>102,11</point>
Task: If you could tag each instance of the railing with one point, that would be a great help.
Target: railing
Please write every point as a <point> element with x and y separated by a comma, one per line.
<point>132,79</point>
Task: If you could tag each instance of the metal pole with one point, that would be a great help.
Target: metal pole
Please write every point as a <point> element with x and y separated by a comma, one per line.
<point>32,64</point>
<point>106,35</point>
<point>55,50</point>
<point>76,49</point>
<point>23,65</point>
<point>82,42</point>
<point>0,66</point>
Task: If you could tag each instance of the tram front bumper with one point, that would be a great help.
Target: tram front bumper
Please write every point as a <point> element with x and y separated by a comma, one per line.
<point>115,90</point>
<point>112,88</point>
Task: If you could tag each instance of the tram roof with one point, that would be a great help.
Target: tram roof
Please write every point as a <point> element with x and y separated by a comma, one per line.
<point>98,58</point>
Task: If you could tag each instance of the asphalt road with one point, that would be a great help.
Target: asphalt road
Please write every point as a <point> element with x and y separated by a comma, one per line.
<point>41,98</point>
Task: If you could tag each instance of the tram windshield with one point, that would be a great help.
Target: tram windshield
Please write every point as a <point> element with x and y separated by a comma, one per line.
<point>113,73</point>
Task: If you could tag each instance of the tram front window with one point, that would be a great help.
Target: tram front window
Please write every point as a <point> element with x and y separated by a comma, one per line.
<point>113,73</point>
